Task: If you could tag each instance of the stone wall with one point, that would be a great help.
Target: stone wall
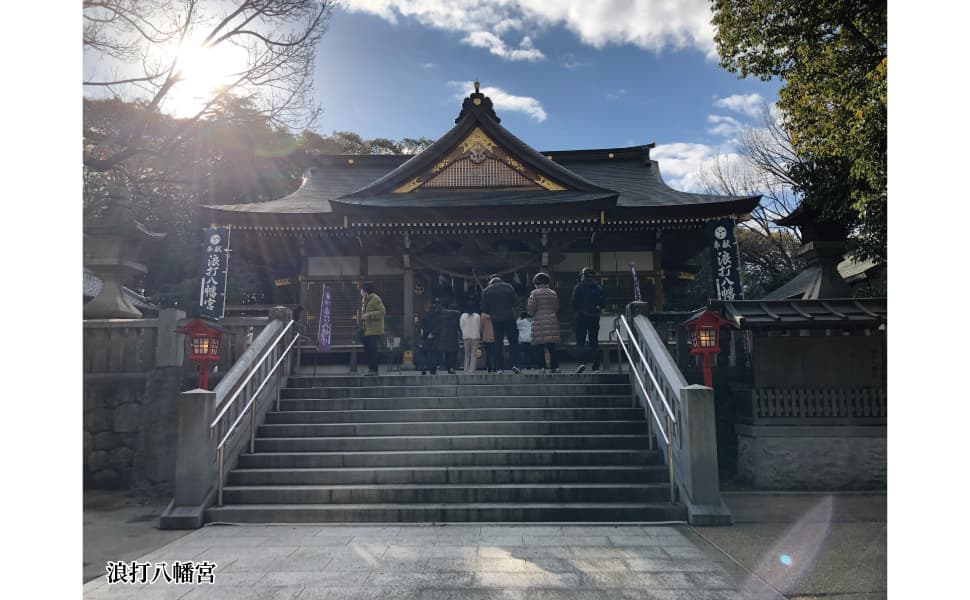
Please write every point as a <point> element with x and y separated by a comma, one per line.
<point>112,421</point>
<point>134,372</point>
<point>812,457</point>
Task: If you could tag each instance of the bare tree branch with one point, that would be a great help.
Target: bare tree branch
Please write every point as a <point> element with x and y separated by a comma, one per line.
<point>279,39</point>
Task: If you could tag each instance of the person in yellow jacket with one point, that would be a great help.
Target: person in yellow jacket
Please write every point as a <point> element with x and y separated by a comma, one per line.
<point>372,314</point>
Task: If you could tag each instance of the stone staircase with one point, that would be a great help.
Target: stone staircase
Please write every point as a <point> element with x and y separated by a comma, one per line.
<point>451,448</point>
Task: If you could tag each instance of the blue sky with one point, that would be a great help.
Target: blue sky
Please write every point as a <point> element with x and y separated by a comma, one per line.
<point>564,74</point>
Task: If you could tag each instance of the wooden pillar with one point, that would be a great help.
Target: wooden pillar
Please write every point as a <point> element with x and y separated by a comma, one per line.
<point>407,326</point>
<point>658,278</point>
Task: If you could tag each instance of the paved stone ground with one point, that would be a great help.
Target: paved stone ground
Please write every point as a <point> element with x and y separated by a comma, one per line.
<point>835,544</point>
<point>458,562</point>
<point>118,527</point>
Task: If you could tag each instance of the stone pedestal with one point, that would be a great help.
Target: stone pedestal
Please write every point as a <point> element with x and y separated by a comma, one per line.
<point>111,250</point>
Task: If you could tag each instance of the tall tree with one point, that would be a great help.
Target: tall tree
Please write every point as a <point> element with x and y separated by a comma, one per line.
<point>189,58</point>
<point>832,57</point>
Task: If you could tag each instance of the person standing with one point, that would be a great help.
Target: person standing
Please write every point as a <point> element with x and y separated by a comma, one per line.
<point>543,305</point>
<point>448,342</point>
<point>488,340</point>
<point>499,300</point>
<point>526,351</point>
<point>588,301</point>
<point>372,313</point>
<point>430,333</point>
<point>471,334</point>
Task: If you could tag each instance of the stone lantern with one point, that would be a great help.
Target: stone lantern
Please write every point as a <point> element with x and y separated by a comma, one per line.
<point>111,250</point>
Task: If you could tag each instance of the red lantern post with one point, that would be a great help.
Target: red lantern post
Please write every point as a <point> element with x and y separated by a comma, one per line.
<point>704,331</point>
<point>204,342</point>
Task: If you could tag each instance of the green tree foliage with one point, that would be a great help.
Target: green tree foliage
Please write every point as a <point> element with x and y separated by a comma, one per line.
<point>832,57</point>
<point>348,142</point>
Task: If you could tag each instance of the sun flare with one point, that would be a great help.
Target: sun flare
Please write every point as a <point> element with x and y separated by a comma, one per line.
<point>203,71</point>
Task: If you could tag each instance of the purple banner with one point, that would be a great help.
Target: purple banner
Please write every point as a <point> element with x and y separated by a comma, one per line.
<point>323,336</point>
<point>636,284</point>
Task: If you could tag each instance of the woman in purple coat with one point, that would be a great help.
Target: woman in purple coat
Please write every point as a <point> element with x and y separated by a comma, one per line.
<point>543,305</point>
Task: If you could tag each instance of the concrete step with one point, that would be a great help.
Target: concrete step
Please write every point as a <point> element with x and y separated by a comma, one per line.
<point>425,415</point>
<point>452,459</point>
<point>649,512</point>
<point>446,402</point>
<point>446,494</point>
<point>451,442</point>
<point>460,378</point>
<point>454,391</point>
<point>418,428</point>
<point>449,475</point>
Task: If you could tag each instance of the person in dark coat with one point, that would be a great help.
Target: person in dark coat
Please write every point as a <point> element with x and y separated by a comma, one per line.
<point>543,305</point>
<point>450,333</point>
<point>499,301</point>
<point>430,334</point>
<point>588,301</point>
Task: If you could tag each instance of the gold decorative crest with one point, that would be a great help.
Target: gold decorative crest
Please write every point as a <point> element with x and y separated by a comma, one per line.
<point>477,136</point>
<point>441,165</point>
<point>514,163</point>
<point>407,187</point>
<point>549,185</point>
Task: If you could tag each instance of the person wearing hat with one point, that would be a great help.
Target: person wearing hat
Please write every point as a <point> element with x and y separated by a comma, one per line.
<point>498,301</point>
<point>543,305</point>
<point>588,301</point>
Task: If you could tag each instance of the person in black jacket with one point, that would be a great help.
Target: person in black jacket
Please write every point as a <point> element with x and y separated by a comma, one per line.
<point>588,301</point>
<point>430,334</point>
<point>450,333</point>
<point>499,300</point>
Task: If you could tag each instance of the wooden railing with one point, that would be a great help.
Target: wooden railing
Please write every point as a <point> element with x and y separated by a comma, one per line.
<point>812,406</point>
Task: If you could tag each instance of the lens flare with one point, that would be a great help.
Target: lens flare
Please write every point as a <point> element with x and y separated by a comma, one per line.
<point>785,560</point>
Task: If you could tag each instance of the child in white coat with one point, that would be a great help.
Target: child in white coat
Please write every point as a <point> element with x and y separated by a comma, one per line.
<point>471,334</point>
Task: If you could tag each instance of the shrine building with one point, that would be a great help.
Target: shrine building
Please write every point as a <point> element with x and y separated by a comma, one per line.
<point>476,202</point>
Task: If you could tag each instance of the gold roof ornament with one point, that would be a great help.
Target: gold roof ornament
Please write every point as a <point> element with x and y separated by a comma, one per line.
<point>477,137</point>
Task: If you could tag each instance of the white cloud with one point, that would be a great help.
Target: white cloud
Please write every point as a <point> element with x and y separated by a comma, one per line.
<point>752,105</point>
<point>495,45</point>
<point>649,24</point>
<point>502,100</point>
<point>681,163</point>
<point>427,65</point>
<point>616,95</point>
<point>723,125</point>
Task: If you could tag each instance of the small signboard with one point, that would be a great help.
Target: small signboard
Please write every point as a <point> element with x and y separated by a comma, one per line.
<point>323,336</point>
<point>725,261</point>
<point>215,271</point>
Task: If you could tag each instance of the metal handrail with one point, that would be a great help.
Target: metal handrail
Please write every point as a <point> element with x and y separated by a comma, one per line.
<point>645,395</point>
<point>252,399</point>
<point>664,430</point>
<point>646,367</point>
<point>228,403</point>
<point>226,434</point>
